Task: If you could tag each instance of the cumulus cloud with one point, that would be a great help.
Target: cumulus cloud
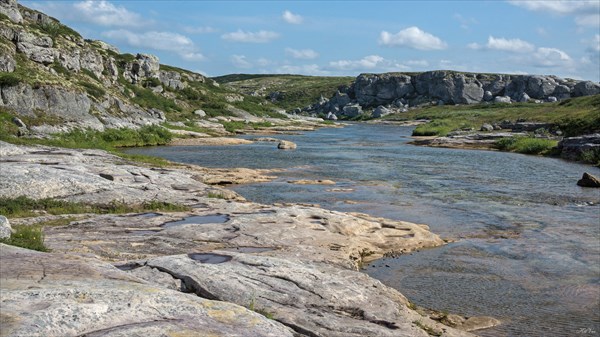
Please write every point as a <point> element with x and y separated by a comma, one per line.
<point>262,36</point>
<point>166,41</point>
<point>240,61</point>
<point>551,57</point>
<point>292,18</point>
<point>587,13</point>
<point>306,54</point>
<point>511,45</point>
<point>412,37</point>
<point>102,13</point>
<point>367,62</point>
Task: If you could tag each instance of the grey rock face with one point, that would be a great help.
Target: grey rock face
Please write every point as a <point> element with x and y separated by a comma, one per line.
<point>70,59</point>
<point>73,296</point>
<point>352,110</point>
<point>5,229</point>
<point>488,96</point>
<point>372,90</point>
<point>7,63</point>
<point>10,9</point>
<point>331,116</point>
<point>562,92</point>
<point>539,87</point>
<point>572,147</point>
<point>586,88</point>
<point>171,79</point>
<point>92,61</point>
<point>145,66</point>
<point>36,53</point>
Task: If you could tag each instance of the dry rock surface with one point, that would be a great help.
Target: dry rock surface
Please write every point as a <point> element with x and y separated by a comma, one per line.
<point>195,272</point>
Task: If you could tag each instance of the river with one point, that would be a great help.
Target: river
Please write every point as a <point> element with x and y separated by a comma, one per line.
<point>528,239</point>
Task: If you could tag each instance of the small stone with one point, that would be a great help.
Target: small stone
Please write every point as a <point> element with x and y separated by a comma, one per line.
<point>487,127</point>
<point>286,145</point>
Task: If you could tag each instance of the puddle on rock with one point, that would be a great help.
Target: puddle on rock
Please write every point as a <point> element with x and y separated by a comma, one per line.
<point>198,219</point>
<point>145,232</point>
<point>149,215</point>
<point>209,258</point>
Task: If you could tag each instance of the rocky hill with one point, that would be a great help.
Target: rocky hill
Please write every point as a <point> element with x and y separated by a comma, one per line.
<point>54,80</point>
<point>393,92</point>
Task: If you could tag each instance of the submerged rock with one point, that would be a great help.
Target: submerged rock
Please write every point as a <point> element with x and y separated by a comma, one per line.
<point>286,145</point>
<point>588,180</point>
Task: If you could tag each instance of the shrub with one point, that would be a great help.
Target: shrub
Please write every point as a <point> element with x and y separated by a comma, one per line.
<point>591,156</point>
<point>54,29</point>
<point>9,80</point>
<point>30,237</point>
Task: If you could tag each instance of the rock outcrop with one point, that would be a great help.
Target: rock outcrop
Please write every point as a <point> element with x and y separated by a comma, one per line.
<point>399,90</point>
<point>571,148</point>
<point>193,272</point>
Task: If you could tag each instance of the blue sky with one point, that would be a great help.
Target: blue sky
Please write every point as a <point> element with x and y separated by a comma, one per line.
<point>348,37</point>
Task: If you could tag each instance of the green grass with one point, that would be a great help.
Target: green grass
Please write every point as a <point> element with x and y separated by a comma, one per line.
<point>55,29</point>
<point>526,145</point>
<point>297,90</point>
<point>30,237</point>
<point>573,117</point>
<point>92,89</point>
<point>9,79</point>
<point>215,195</point>
<point>26,207</point>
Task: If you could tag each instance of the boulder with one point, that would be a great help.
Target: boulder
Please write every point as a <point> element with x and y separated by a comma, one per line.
<point>92,61</point>
<point>586,88</point>
<point>561,92</point>
<point>588,180</point>
<point>502,99</point>
<point>36,53</point>
<point>18,122</point>
<point>352,110</point>
<point>10,8</point>
<point>5,229</point>
<point>488,96</point>
<point>487,127</point>
<point>551,99</point>
<point>286,145</point>
<point>200,113</point>
<point>331,116</point>
<point>539,87</point>
<point>523,98</point>
<point>144,67</point>
<point>381,111</point>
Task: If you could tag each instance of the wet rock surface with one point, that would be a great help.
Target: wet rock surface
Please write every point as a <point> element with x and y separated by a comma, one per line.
<point>130,274</point>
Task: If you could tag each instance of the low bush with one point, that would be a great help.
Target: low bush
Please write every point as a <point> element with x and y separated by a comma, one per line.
<point>591,156</point>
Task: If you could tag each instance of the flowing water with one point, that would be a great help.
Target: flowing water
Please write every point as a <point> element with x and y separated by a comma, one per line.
<point>528,249</point>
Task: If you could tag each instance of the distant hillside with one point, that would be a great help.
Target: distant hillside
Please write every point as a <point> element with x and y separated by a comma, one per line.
<point>54,80</point>
<point>288,92</point>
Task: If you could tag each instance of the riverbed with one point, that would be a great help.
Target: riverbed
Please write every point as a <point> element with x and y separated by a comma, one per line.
<point>527,247</point>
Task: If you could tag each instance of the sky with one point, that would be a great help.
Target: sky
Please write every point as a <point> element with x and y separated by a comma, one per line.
<point>346,38</point>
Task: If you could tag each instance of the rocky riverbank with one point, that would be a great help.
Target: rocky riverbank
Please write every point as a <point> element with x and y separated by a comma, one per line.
<point>204,270</point>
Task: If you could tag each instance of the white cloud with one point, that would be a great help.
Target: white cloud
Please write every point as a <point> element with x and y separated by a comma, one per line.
<point>200,30</point>
<point>239,61</point>
<point>551,57</point>
<point>101,12</point>
<point>465,23</point>
<point>306,54</point>
<point>106,14</point>
<point>367,62</point>
<point>292,18</point>
<point>167,41</point>
<point>474,46</point>
<point>262,36</point>
<point>511,45</point>
<point>417,63</point>
<point>412,37</point>
<point>587,13</point>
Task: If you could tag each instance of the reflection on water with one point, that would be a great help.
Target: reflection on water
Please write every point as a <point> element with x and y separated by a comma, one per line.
<point>529,252</point>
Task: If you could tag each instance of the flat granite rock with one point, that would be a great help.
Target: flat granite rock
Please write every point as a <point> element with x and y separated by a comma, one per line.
<point>47,294</point>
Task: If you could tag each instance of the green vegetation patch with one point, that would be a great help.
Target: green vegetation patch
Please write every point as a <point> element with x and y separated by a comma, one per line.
<point>26,207</point>
<point>30,237</point>
<point>575,116</point>
<point>92,89</point>
<point>55,29</point>
<point>9,79</point>
<point>591,156</point>
<point>526,145</point>
<point>234,126</point>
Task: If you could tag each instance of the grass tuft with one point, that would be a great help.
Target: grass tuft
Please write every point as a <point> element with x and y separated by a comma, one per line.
<point>526,145</point>
<point>30,237</point>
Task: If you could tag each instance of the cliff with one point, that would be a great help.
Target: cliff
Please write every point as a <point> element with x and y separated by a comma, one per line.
<point>396,91</point>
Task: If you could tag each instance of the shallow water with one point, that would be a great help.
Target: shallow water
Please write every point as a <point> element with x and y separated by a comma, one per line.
<point>529,248</point>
